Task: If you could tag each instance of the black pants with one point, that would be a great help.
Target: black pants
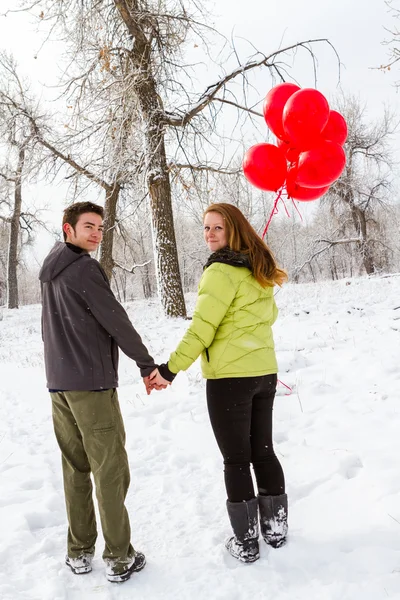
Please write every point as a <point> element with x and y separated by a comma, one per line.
<point>240,410</point>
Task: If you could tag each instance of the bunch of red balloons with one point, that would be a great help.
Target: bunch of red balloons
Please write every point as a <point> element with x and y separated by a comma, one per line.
<point>309,154</point>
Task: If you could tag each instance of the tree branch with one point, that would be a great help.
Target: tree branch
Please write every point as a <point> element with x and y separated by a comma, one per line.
<point>329,243</point>
<point>130,21</point>
<point>210,93</point>
<point>9,179</point>
<point>173,166</point>
<point>249,110</point>
<point>132,269</point>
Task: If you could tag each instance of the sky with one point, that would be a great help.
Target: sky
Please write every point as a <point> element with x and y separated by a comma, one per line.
<point>356,29</point>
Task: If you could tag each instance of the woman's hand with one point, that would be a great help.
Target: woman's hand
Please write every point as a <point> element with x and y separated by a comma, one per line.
<point>155,381</point>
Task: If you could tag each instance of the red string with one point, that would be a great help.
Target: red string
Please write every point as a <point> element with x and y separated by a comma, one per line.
<point>286,386</point>
<point>286,210</point>
<point>273,212</point>
<point>298,212</point>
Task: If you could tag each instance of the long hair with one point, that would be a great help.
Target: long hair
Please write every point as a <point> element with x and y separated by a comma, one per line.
<point>241,237</point>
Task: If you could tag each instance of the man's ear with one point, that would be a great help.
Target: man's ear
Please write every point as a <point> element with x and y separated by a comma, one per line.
<point>67,228</point>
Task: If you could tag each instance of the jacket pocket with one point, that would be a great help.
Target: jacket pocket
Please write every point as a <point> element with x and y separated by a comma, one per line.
<point>207,355</point>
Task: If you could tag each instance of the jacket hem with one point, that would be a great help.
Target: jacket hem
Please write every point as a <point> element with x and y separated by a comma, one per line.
<point>81,387</point>
<point>236,374</point>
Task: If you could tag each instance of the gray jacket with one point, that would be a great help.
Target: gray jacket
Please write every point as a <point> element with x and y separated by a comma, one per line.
<point>83,324</point>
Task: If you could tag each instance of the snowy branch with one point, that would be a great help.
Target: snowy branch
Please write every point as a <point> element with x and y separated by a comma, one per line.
<point>132,269</point>
<point>173,166</point>
<point>329,245</point>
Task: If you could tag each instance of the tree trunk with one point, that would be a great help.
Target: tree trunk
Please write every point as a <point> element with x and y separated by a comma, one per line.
<point>169,283</point>
<point>360,223</point>
<point>110,212</point>
<point>146,284</point>
<point>145,271</point>
<point>12,262</point>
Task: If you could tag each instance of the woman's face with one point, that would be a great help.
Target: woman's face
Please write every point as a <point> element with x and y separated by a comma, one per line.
<point>214,231</point>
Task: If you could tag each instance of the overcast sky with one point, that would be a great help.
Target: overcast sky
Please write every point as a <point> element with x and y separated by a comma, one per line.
<point>355,27</point>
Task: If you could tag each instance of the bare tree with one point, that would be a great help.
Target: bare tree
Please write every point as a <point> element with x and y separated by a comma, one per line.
<point>365,186</point>
<point>126,67</point>
<point>16,142</point>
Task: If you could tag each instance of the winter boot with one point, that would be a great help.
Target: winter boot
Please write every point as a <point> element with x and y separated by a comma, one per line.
<point>244,520</point>
<point>273,519</point>
<point>118,572</point>
<point>80,565</point>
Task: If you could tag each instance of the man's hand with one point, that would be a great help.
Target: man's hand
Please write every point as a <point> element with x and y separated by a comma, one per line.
<point>154,381</point>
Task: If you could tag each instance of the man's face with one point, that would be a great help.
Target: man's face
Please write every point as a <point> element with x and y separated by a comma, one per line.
<point>88,232</point>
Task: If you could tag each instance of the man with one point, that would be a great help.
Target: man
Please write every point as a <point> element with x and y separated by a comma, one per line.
<point>82,326</point>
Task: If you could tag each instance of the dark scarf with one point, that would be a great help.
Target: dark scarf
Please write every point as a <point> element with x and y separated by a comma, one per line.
<point>228,257</point>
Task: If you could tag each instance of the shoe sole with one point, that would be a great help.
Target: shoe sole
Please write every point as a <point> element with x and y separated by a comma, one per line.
<point>275,544</point>
<point>122,577</point>
<point>81,571</point>
<point>248,559</point>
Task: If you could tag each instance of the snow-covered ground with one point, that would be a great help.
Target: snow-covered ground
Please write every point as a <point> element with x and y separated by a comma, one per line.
<point>337,435</point>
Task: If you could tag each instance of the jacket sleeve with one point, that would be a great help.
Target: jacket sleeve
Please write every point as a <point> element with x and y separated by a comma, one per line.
<point>216,294</point>
<point>111,315</point>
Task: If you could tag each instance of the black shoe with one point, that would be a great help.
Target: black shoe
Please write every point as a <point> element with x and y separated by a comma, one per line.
<point>115,574</point>
<point>244,520</point>
<point>80,565</point>
<point>274,519</point>
<point>246,552</point>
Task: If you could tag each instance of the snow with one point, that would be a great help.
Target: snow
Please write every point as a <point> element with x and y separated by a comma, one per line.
<point>337,435</point>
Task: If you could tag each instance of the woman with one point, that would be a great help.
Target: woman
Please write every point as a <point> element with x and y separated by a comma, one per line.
<point>231,329</point>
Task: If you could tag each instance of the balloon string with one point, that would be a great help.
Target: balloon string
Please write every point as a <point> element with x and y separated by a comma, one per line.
<point>286,386</point>
<point>286,210</point>
<point>298,212</point>
<point>273,212</point>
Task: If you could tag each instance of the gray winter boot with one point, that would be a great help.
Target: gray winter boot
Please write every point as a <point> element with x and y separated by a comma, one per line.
<point>244,520</point>
<point>273,519</point>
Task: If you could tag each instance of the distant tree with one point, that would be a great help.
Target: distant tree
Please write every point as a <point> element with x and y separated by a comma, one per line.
<point>17,165</point>
<point>365,186</point>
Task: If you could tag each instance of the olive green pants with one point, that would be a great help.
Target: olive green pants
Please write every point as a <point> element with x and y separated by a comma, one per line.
<point>91,436</point>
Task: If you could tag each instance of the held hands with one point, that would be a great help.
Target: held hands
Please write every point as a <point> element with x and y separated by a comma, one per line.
<point>155,381</point>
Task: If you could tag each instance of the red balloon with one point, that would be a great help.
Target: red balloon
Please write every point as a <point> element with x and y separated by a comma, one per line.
<point>264,165</point>
<point>298,192</point>
<point>304,117</point>
<point>274,104</point>
<point>306,194</point>
<point>291,153</point>
<point>336,128</point>
<point>320,166</point>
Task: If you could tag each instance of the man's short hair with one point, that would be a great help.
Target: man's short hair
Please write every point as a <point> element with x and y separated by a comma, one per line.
<point>74,211</point>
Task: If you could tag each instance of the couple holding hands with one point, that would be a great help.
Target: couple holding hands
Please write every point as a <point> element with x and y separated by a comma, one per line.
<point>83,326</point>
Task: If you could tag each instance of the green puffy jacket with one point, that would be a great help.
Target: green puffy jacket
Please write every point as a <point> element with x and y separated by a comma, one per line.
<point>231,326</point>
